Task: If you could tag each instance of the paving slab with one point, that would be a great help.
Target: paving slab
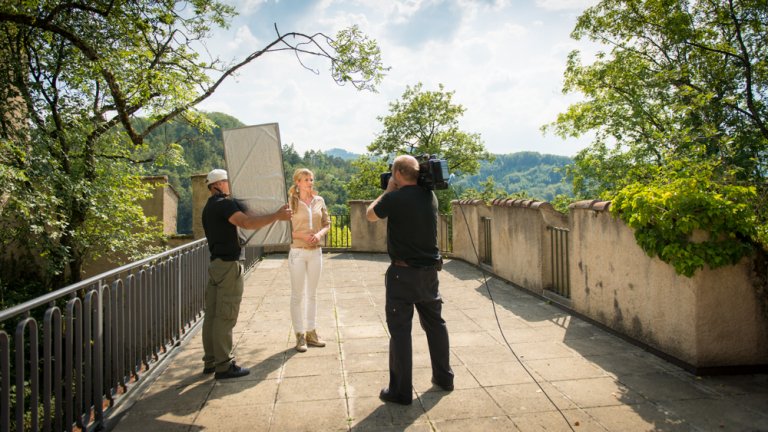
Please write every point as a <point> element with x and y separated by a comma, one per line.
<point>521,364</point>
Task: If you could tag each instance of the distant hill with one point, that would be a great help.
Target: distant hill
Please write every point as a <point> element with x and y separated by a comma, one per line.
<point>531,173</point>
<point>341,153</point>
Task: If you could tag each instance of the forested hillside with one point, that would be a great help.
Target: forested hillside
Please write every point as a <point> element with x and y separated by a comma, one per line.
<point>526,174</point>
<point>201,153</point>
<point>530,174</point>
<point>332,173</point>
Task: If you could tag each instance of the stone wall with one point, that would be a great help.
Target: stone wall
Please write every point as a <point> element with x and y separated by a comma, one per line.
<point>713,319</point>
<point>467,215</point>
<point>366,236</point>
<point>519,237</point>
<point>520,241</point>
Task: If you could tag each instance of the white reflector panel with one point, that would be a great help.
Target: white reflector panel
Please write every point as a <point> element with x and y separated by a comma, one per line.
<point>255,166</point>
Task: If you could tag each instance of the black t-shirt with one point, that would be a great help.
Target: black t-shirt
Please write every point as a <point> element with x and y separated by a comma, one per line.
<point>223,238</point>
<point>411,214</point>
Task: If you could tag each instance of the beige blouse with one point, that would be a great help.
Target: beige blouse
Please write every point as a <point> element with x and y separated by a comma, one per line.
<point>303,223</point>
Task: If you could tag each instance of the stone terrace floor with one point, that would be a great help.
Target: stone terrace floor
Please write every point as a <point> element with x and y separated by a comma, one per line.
<point>597,380</point>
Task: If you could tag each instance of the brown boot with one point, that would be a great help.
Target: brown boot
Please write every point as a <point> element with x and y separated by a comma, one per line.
<point>301,342</point>
<point>314,340</point>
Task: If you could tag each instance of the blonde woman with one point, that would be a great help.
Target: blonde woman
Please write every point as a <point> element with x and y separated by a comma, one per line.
<point>311,222</point>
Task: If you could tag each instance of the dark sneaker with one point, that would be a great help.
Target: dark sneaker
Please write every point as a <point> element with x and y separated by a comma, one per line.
<point>446,387</point>
<point>209,370</point>
<point>386,396</point>
<point>234,371</point>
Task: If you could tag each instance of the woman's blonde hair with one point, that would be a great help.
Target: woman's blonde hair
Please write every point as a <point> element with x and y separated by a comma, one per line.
<point>293,191</point>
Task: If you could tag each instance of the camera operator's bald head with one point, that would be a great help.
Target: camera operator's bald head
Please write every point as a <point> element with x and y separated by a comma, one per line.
<point>408,167</point>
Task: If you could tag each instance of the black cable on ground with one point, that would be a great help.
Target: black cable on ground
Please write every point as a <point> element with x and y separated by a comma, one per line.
<point>498,323</point>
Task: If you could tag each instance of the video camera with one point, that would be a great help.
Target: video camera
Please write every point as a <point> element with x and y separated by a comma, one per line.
<point>433,173</point>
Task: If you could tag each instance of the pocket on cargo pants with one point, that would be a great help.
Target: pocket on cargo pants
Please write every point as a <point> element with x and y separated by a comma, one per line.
<point>228,307</point>
<point>229,289</point>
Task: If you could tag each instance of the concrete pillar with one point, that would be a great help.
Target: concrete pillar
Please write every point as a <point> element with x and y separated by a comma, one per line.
<point>163,204</point>
<point>366,236</point>
<point>200,196</point>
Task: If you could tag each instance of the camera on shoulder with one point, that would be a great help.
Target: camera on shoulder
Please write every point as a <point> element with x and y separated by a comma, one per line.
<point>433,173</point>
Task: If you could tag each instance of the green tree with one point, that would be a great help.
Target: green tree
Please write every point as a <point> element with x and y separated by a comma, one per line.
<point>74,77</point>
<point>366,181</point>
<point>332,174</point>
<point>427,122</point>
<point>489,191</point>
<point>678,110</point>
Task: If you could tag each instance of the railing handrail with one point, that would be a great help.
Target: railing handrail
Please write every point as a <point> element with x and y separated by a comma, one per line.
<point>15,310</point>
<point>98,345</point>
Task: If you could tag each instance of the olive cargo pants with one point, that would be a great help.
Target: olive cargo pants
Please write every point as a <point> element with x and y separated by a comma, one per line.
<point>222,305</point>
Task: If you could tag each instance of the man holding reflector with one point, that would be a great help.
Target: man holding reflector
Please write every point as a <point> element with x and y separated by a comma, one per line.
<point>222,215</point>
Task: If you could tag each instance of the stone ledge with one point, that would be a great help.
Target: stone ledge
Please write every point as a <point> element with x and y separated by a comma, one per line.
<point>595,205</point>
<point>522,203</point>
<point>468,202</point>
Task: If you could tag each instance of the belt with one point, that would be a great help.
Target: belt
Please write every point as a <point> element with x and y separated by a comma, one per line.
<point>305,247</point>
<point>401,263</point>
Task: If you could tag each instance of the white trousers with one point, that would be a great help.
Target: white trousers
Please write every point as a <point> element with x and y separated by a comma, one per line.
<point>305,266</point>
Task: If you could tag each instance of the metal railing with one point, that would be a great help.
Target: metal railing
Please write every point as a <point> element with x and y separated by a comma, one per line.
<point>340,234</point>
<point>252,256</point>
<point>445,232</point>
<point>486,255</point>
<point>561,282</point>
<point>98,337</point>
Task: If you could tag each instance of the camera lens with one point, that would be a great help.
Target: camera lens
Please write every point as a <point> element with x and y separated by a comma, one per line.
<point>385,179</point>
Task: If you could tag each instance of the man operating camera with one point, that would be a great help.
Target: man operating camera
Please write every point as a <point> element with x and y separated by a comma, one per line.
<point>411,279</point>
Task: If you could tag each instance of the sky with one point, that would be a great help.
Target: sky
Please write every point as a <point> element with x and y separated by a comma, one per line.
<point>504,59</point>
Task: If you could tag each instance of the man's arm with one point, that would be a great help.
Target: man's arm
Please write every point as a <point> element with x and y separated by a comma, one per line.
<point>369,213</point>
<point>253,222</point>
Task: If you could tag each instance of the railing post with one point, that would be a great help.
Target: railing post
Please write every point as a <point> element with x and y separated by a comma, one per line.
<point>31,324</point>
<point>559,261</point>
<point>5,384</point>
<point>180,318</point>
<point>486,248</point>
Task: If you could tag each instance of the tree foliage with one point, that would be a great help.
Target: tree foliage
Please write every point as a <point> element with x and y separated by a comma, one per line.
<point>365,184</point>
<point>74,78</point>
<point>201,150</point>
<point>488,191</point>
<point>678,109</point>
<point>689,216</point>
<point>332,174</point>
<point>427,122</point>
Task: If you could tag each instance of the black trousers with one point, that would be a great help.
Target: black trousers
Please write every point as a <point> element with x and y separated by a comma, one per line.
<point>408,287</point>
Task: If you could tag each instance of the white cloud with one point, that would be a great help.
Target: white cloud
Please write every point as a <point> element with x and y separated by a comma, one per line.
<point>243,40</point>
<point>504,62</point>
<point>556,5</point>
<point>247,7</point>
